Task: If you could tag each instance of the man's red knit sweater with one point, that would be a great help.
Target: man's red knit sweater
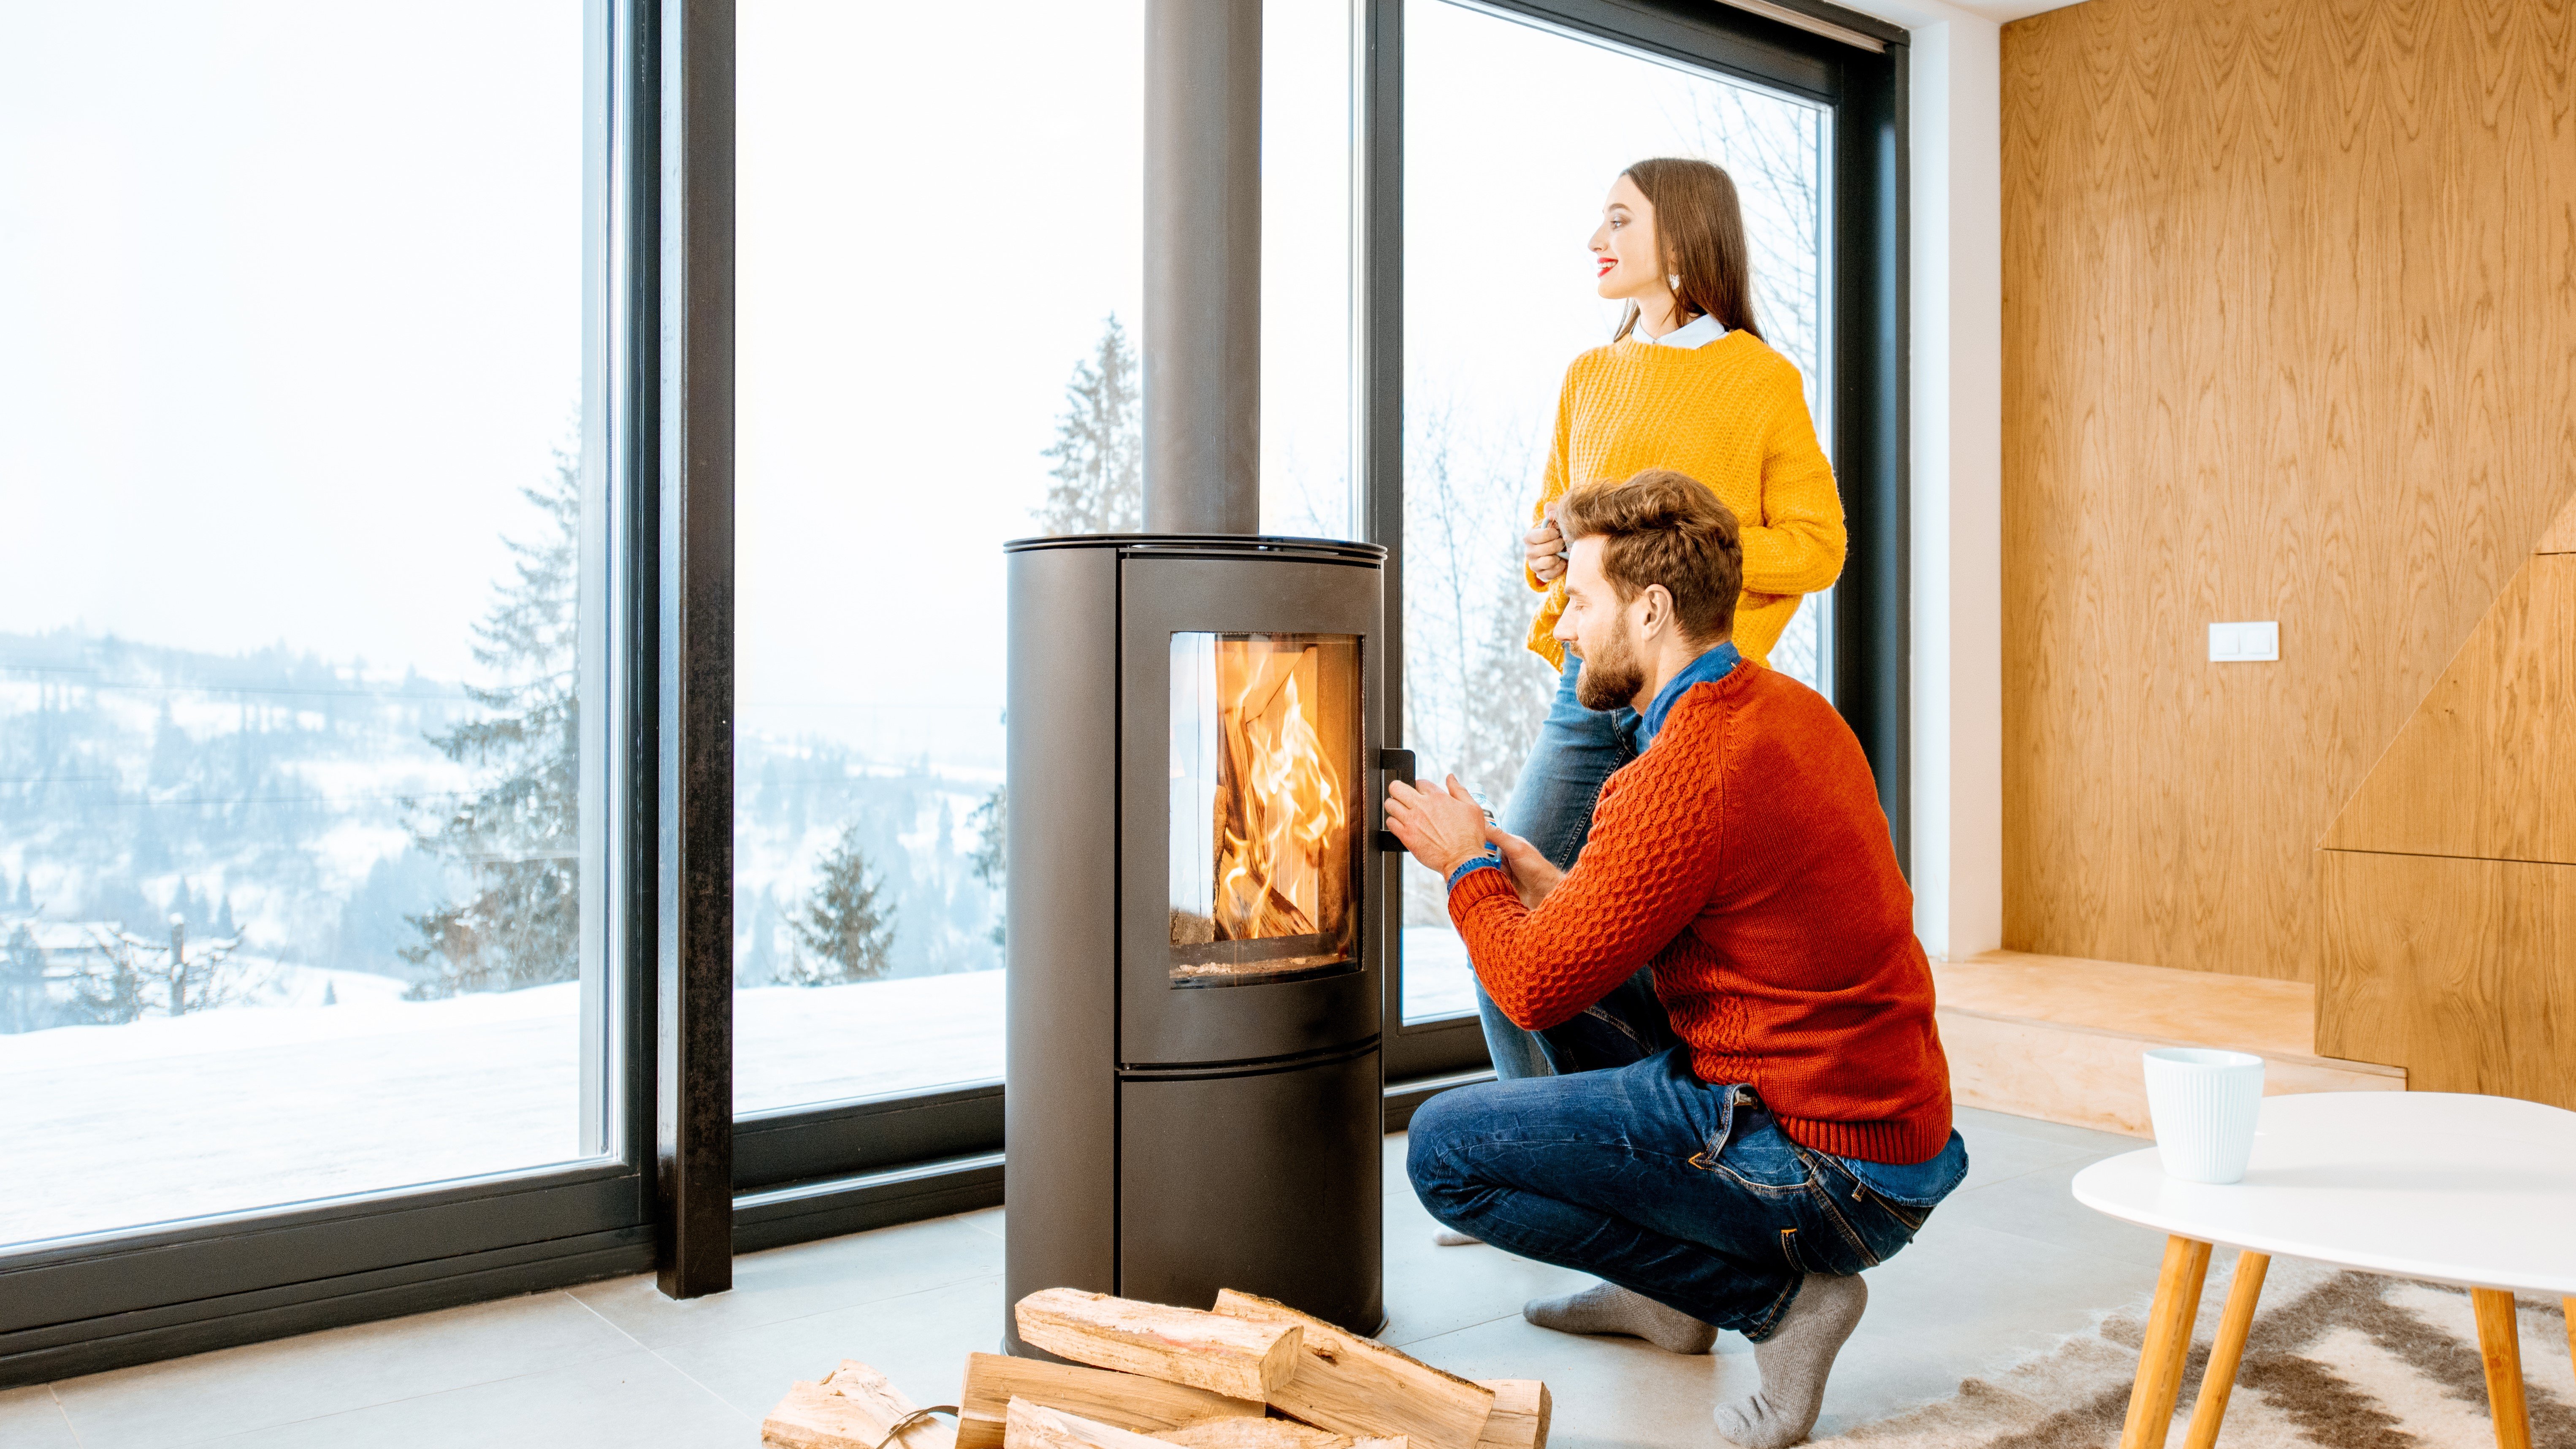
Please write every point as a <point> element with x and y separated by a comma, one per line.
<point>1745,856</point>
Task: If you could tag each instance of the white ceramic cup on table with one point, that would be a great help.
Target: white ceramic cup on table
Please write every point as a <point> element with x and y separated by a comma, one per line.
<point>2204,1103</point>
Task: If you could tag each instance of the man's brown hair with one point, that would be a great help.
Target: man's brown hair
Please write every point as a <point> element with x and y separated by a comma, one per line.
<point>1663,527</point>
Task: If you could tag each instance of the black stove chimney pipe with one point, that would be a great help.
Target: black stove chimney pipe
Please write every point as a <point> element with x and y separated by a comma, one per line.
<point>1203,266</point>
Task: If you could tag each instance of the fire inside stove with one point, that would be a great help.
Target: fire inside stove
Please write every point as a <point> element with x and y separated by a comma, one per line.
<point>1265,752</point>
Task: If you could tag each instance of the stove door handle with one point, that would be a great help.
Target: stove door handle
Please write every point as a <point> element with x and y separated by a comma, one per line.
<point>1392,765</point>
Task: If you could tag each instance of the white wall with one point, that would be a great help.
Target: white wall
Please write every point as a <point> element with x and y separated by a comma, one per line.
<point>1957,218</point>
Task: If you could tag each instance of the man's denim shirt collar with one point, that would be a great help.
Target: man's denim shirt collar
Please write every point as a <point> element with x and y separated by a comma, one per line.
<point>1715,664</point>
<point>1640,729</point>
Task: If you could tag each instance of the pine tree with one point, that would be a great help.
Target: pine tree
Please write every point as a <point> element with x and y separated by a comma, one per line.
<point>1099,447</point>
<point>22,983</point>
<point>847,931</point>
<point>518,836</point>
<point>989,845</point>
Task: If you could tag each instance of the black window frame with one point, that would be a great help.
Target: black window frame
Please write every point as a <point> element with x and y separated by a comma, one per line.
<point>1866,90</point>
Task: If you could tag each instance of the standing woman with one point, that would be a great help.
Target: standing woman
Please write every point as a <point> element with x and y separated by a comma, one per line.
<point>1687,383</point>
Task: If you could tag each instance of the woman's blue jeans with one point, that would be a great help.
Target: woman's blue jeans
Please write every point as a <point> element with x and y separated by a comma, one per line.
<point>1551,808</point>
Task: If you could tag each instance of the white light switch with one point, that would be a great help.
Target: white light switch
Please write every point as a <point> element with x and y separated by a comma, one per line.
<point>2245,643</point>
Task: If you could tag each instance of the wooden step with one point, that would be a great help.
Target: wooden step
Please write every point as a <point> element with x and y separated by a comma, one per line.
<point>2059,1037</point>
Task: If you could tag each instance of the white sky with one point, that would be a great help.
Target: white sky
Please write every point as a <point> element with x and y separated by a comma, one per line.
<point>290,300</point>
<point>289,310</point>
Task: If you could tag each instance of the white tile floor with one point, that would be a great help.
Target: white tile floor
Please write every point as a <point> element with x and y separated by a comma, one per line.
<point>2005,1265</point>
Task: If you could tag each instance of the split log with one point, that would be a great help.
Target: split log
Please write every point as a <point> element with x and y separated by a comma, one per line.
<point>1362,1388</point>
<point>1236,1355</point>
<point>1035,1426</point>
<point>1522,1408</point>
<point>854,1407</point>
<point>1268,1434</point>
<point>1125,1401</point>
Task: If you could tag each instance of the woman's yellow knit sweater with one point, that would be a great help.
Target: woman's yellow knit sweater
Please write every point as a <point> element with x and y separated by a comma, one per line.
<point>1730,414</point>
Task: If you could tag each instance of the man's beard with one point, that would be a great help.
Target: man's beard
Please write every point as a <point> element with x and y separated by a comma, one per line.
<point>1610,680</point>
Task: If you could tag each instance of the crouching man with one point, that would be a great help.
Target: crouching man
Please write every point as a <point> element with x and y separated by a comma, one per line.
<point>1752,1104</point>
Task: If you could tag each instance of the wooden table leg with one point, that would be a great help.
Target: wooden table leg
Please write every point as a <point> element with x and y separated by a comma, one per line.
<point>2228,1351</point>
<point>2500,1344</point>
<point>2151,1398</point>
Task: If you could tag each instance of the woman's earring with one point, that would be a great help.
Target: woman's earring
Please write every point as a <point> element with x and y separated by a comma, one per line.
<point>1674,281</point>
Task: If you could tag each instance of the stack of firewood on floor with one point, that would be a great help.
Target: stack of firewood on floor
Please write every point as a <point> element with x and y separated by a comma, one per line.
<point>1252,1374</point>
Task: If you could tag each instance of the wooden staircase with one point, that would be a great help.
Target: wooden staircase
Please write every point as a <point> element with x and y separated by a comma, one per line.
<point>2059,1037</point>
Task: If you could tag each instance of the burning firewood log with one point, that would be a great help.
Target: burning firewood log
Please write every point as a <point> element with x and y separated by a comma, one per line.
<point>1238,1356</point>
<point>1125,1401</point>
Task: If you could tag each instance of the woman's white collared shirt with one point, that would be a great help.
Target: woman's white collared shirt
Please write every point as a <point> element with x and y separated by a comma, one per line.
<point>1700,331</point>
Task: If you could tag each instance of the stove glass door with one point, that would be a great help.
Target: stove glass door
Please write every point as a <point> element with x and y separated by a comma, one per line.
<point>1265,760</point>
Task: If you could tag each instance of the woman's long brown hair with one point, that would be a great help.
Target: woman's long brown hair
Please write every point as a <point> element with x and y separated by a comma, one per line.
<point>1700,229</point>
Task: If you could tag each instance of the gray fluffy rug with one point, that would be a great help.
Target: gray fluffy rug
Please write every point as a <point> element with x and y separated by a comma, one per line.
<point>2336,1359</point>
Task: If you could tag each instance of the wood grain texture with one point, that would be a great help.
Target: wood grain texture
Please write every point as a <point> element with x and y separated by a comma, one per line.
<point>2249,1013</point>
<point>2168,1345</point>
<point>2500,1354</point>
<point>2486,768</point>
<point>2461,971</point>
<point>2561,537</point>
<point>1035,1426</point>
<point>2088,1076</point>
<point>1360,1387</point>
<point>2289,333</point>
<point>853,1407</point>
<point>1233,1356</point>
<point>1523,1409</point>
<point>1129,1401</point>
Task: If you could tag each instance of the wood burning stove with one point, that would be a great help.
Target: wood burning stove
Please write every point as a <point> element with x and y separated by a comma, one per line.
<point>1196,922</point>
<point>1198,888</point>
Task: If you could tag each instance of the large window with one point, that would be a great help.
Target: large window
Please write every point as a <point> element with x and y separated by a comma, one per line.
<point>1513,135</point>
<point>295,820</point>
<point>939,323</point>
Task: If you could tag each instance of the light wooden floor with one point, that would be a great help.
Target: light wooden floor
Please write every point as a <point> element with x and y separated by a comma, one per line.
<point>2009,1264</point>
<point>2058,1037</point>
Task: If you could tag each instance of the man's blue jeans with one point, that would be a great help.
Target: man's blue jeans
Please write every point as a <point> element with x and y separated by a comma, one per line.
<point>1551,808</point>
<point>1630,1167</point>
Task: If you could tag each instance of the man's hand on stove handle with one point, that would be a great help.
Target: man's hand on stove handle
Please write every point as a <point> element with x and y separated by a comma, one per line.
<point>1442,825</point>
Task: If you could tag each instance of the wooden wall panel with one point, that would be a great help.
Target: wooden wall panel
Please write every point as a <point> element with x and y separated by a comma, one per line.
<point>2561,537</point>
<point>2461,971</point>
<point>2289,333</point>
<point>2487,766</point>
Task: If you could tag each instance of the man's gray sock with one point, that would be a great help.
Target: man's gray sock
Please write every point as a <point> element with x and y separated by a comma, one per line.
<point>1609,1308</point>
<point>1794,1361</point>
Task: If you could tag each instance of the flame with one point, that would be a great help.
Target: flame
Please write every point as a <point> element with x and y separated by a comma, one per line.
<point>1283,807</point>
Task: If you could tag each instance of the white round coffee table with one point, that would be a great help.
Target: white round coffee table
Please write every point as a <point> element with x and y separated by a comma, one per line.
<point>2474,1191</point>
